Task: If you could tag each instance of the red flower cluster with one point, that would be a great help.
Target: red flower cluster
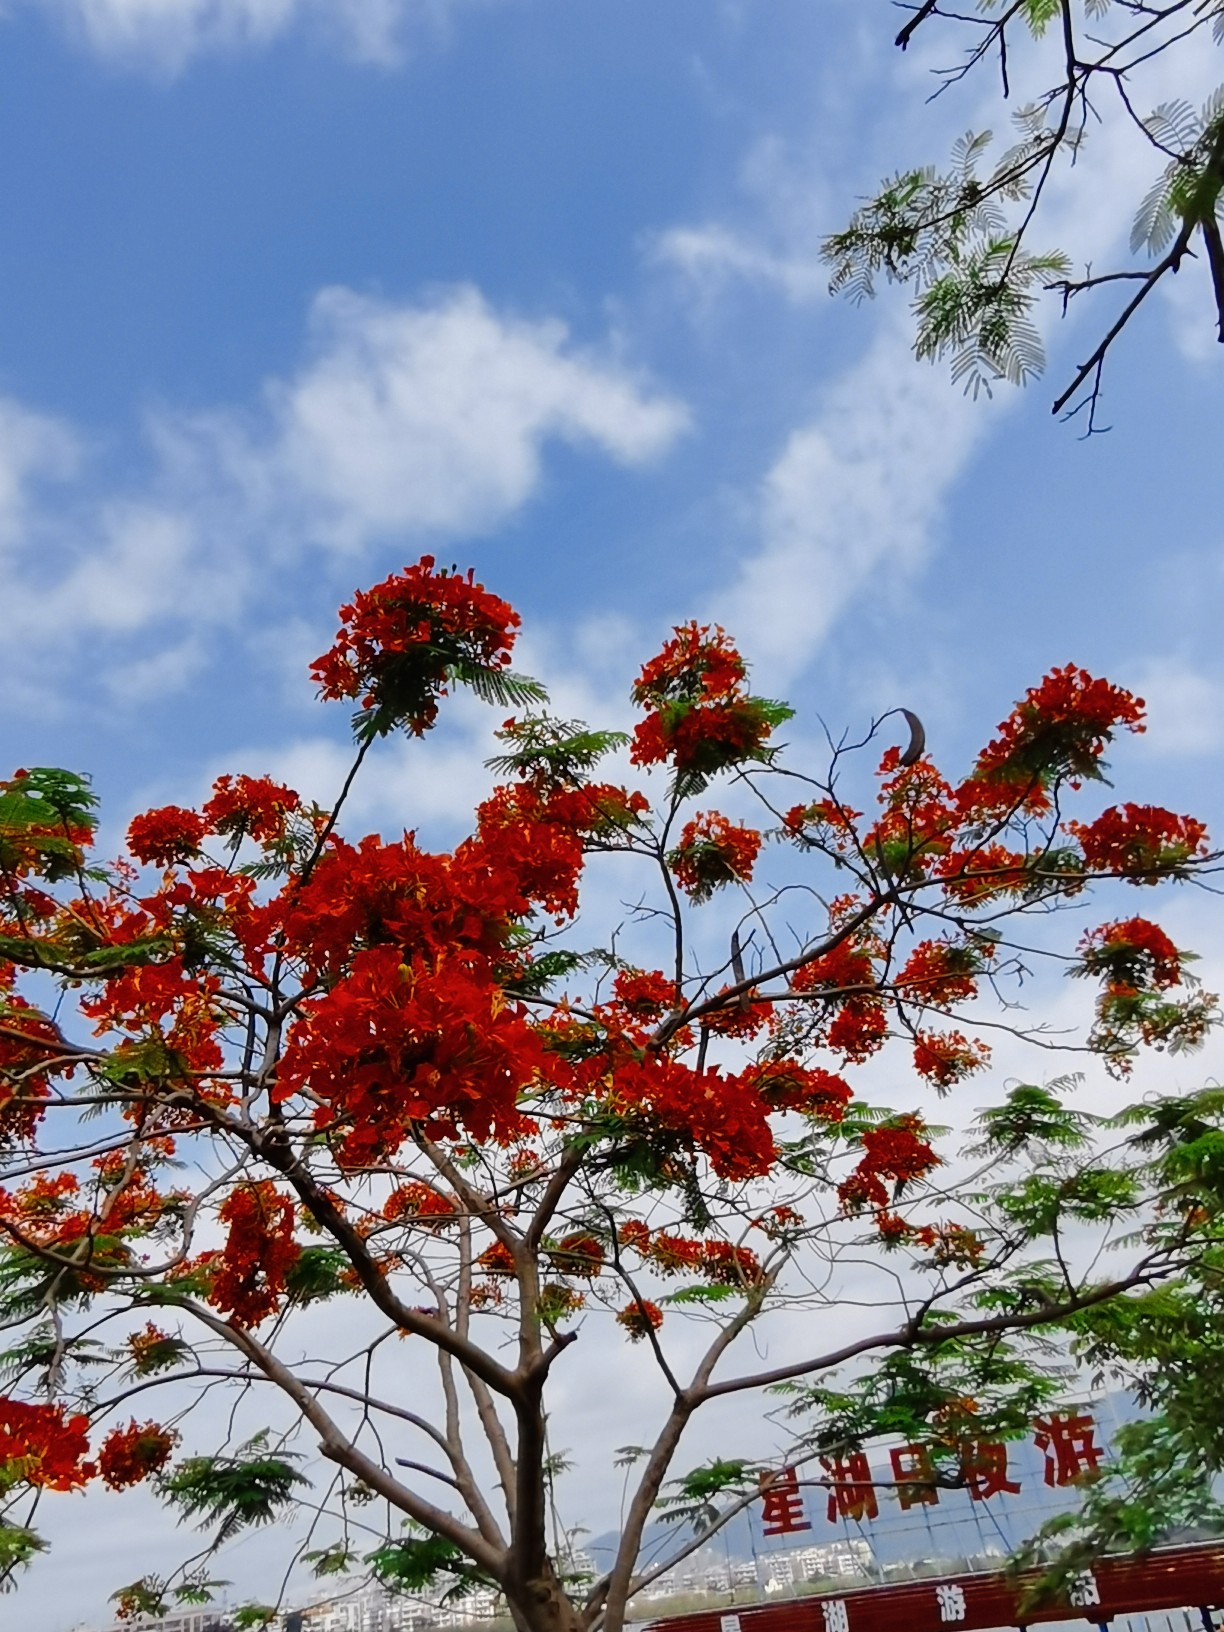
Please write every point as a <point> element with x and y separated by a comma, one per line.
<point>858,1024</point>
<point>722,1116</point>
<point>896,1151</point>
<point>166,836</point>
<point>402,642</point>
<point>42,1445</point>
<point>634,1233</point>
<point>252,807</point>
<point>674,1254</point>
<point>580,1253</point>
<point>252,1267</point>
<point>28,1040</point>
<point>1134,953</point>
<point>946,1058</point>
<point>639,1318</point>
<point>701,718</point>
<point>1061,728</point>
<point>826,823</point>
<point>1141,843</point>
<point>130,1454</point>
<point>950,1244</point>
<point>496,1259</point>
<point>161,1003</point>
<point>919,814</point>
<point>644,995</point>
<point>785,1085</point>
<point>713,851</point>
<point>941,973</point>
<point>395,1044</point>
<point>729,1265</point>
<point>422,1203</point>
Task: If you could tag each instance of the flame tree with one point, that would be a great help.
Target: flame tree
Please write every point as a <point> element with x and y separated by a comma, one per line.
<point>255,1067</point>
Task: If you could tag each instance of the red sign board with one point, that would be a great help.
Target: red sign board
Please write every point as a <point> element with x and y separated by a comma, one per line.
<point>1170,1578</point>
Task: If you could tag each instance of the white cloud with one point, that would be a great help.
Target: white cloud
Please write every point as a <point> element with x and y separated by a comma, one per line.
<point>849,504</point>
<point>425,421</point>
<point>786,201</point>
<point>32,446</point>
<point>430,419</point>
<point>1185,709</point>
<point>165,35</point>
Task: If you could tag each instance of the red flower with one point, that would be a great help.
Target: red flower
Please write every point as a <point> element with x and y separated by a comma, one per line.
<point>634,1233</point>
<point>579,1253</point>
<point>644,995</point>
<point>43,1446</point>
<point>251,807</point>
<point>951,1244</point>
<point>1141,843</point>
<point>1134,953</point>
<point>713,851</point>
<point>258,1254</point>
<point>401,643</point>
<point>421,1202</point>
<point>785,1085</point>
<point>640,1318</point>
<point>896,1151</point>
<point>675,1254</point>
<point>700,717</point>
<point>131,1454</point>
<point>944,1058</point>
<point>167,835</point>
<point>942,972</point>
<point>730,1266</point>
<point>1061,728</point>
<point>497,1259</point>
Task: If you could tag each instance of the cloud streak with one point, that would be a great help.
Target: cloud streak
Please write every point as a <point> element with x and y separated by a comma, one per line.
<point>166,35</point>
<point>422,422</point>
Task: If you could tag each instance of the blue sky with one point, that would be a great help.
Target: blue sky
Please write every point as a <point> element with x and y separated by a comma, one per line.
<point>293,290</point>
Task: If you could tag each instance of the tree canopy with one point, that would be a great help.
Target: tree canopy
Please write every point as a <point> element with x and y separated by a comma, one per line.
<point>281,1107</point>
<point>969,240</point>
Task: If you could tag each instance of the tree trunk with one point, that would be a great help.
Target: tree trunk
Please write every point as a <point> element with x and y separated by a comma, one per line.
<point>542,1604</point>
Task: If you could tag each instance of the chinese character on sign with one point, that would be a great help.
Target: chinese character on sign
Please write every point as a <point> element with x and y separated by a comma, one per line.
<point>1082,1590</point>
<point>915,1475</point>
<point>836,1615</point>
<point>851,1494</point>
<point>984,1465</point>
<point>1066,1437</point>
<point>951,1601</point>
<point>782,1510</point>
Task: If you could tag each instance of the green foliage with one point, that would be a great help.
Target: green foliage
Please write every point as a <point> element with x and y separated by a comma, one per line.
<point>1188,191</point>
<point>417,1562</point>
<point>491,685</point>
<point>42,1351</point>
<point>19,1546</point>
<point>197,1589</point>
<point>254,1615</point>
<point>338,1559</point>
<point>538,975</point>
<point>1032,1115</point>
<point>962,238</point>
<point>557,753</point>
<point>316,1274</point>
<point>694,1499</point>
<point>1158,1483</point>
<point>233,1492</point>
<point>981,1387</point>
<point>39,814</point>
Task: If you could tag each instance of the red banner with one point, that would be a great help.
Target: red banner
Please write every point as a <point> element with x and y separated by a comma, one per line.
<point>1171,1578</point>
